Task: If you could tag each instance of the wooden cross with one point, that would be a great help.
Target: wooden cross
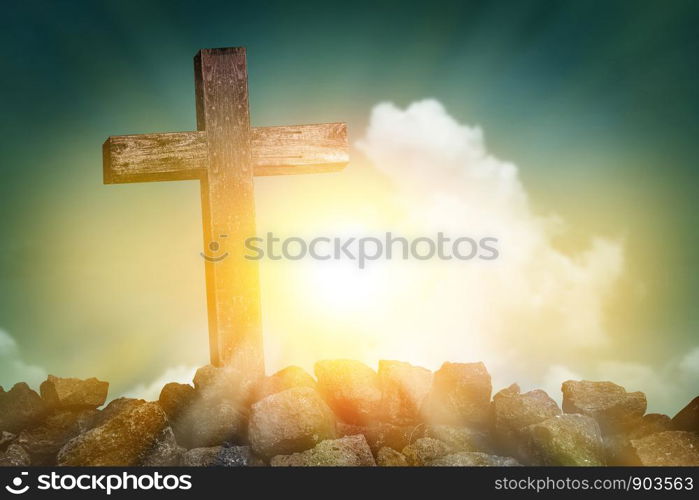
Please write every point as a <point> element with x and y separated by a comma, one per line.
<point>224,154</point>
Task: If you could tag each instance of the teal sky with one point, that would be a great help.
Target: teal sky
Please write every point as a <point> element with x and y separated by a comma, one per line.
<point>597,101</point>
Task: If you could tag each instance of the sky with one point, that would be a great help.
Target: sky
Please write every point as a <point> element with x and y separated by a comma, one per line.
<point>593,105</point>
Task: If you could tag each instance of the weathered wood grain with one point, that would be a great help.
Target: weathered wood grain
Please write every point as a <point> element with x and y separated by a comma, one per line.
<point>228,208</point>
<point>155,157</point>
<point>300,149</point>
<point>287,150</point>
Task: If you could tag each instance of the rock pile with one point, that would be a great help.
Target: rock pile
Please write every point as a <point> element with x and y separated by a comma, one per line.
<point>348,415</point>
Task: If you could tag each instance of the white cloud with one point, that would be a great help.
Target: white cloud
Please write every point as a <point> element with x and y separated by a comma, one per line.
<point>151,391</point>
<point>532,307</point>
<point>690,362</point>
<point>536,315</point>
<point>13,368</point>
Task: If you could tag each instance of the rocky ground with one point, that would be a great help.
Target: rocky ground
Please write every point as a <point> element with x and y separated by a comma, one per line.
<point>349,415</point>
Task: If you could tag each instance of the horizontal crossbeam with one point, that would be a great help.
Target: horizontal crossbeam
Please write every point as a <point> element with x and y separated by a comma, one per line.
<point>296,149</point>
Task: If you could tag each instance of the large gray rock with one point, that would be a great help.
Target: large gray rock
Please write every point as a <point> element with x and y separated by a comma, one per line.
<point>74,393</point>
<point>670,448</point>
<point>209,422</point>
<point>349,451</point>
<point>425,450</point>
<point>123,440</point>
<point>206,419</point>
<point>15,456</point>
<point>287,378</point>
<point>219,413</point>
<point>176,398</point>
<point>219,456</point>
<point>460,396</point>
<point>115,407</point>
<point>289,421</point>
<point>388,457</point>
<point>471,459</point>
<point>651,423</point>
<point>165,452</point>
<point>228,383</point>
<point>201,457</point>
<point>6,438</point>
<point>461,438</point>
<point>609,404</point>
<point>178,401</point>
<point>381,435</point>
<point>687,419</point>
<point>20,407</point>
<point>237,456</point>
<point>44,441</point>
<point>618,450</point>
<point>512,411</point>
<point>618,447</point>
<point>563,440</point>
<point>350,388</point>
<point>404,388</point>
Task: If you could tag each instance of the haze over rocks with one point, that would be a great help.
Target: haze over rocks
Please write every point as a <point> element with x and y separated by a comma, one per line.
<point>348,415</point>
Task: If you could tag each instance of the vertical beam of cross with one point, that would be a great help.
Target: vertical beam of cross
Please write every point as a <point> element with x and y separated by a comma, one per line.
<point>228,207</point>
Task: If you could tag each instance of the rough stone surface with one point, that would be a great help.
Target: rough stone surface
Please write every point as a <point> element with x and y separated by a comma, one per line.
<point>380,435</point>
<point>470,459</point>
<point>20,407</point>
<point>460,395</point>
<point>349,451</point>
<point>287,378</point>
<point>226,383</point>
<point>123,440</point>
<point>211,421</point>
<point>15,456</point>
<point>201,457</point>
<point>44,441</point>
<point>6,438</point>
<point>176,398</point>
<point>350,388</point>
<point>404,388</point>
<point>116,407</point>
<point>651,423</point>
<point>388,457</point>
<point>219,456</point>
<point>461,438</point>
<point>687,419</point>
<point>425,450</point>
<point>564,440</point>
<point>237,456</point>
<point>219,413</point>
<point>289,421</point>
<point>74,393</point>
<point>614,409</point>
<point>670,448</point>
<point>165,452</point>
<point>512,411</point>
<point>617,450</point>
<point>402,414</point>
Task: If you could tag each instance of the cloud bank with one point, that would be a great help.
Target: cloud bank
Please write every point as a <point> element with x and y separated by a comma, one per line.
<point>13,368</point>
<point>535,303</point>
<point>537,314</point>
